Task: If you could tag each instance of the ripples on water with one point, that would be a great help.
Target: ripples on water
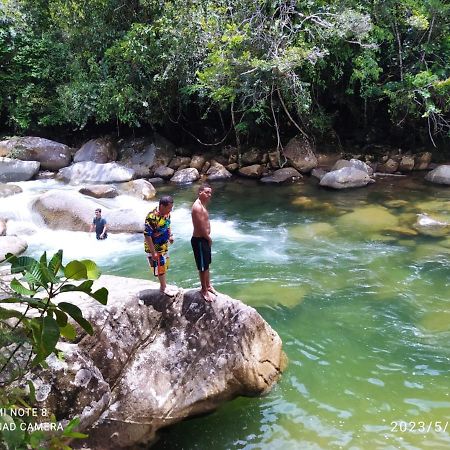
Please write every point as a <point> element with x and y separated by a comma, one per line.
<point>364,314</point>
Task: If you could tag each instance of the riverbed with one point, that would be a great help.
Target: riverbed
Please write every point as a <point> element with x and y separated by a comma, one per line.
<point>359,298</point>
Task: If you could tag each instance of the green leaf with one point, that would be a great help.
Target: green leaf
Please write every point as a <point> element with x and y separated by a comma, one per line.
<point>75,270</point>
<point>76,315</point>
<point>12,435</point>
<point>20,264</point>
<point>71,425</point>
<point>9,313</point>
<point>55,263</point>
<point>43,259</point>
<point>68,331</point>
<point>61,318</point>
<point>93,271</point>
<point>18,287</point>
<point>45,336</point>
<point>100,295</point>
<point>32,393</point>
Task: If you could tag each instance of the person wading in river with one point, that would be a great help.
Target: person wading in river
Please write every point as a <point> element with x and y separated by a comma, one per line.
<point>201,240</point>
<point>100,225</point>
<point>157,237</point>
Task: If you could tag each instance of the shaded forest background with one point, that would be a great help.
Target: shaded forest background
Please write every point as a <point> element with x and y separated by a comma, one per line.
<point>240,72</point>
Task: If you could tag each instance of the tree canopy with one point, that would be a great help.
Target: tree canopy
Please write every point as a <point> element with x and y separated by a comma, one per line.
<point>241,69</point>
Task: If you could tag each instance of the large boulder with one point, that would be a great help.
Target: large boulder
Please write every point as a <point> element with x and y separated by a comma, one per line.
<point>16,170</point>
<point>99,191</point>
<point>347,177</point>
<point>253,171</point>
<point>51,155</point>
<point>184,176</point>
<point>299,152</point>
<point>163,172</point>
<point>101,150</point>
<point>154,361</point>
<point>440,175</point>
<point>91,172</point>
<point>144,155</point>
<point>422,161</point>
<point>11,244</point>
<point>72,211</point>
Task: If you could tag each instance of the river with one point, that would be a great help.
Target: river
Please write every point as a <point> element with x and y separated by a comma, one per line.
<point>360,301</point>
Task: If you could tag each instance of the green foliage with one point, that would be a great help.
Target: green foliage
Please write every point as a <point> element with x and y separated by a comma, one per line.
<point>30,331</point>
<point>250,62</point>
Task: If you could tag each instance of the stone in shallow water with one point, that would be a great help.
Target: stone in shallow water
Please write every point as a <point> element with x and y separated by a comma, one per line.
<point>441,206</point>
<point>368,219</point>
<point>396,203</point>
<point>312,231</point>
<point>436,322</point>
<point>271,293</point>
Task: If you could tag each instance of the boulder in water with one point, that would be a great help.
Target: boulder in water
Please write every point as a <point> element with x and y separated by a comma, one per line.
<point>91,172</point>
<point>347,177</point>
<point>440,175</point>
<point>17,170</point>
<point>11,244</point>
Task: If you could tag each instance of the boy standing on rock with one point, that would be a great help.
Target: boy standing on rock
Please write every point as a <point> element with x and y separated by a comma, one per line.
<point>157,237</point>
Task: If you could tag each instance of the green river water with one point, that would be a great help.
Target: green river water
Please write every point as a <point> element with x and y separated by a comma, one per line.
<point>361,303</point>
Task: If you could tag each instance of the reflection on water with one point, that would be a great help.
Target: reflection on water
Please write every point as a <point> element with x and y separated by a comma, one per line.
<point>360,299</point>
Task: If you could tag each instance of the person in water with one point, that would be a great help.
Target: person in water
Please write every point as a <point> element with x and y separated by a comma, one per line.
<point>99,224</point>
<point>157,237</point>
<point>201,240</point>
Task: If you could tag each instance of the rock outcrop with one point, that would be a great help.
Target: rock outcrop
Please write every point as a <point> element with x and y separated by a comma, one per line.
<point>16,170</point>
<point>440,175</point>
<point>347,177</point>
<point>154,360</point>
<point>91,172</point>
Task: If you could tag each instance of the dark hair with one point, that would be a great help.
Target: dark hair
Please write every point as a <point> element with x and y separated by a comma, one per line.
<point>166,200</point>
<point>98,210</point>
<point>203,187</point>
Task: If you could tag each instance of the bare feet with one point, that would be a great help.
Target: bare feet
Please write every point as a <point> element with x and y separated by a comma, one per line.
<point>207,296</point>
<point>212,290</point>
<point>170,292</point>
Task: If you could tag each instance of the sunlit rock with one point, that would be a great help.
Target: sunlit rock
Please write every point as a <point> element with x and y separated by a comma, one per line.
<point>347,177</point>
<point>62,210</point>
<point>356,163</point>
<point>253,171</point>
<point>11,244</point>
<point>217,172</point>
<point>50,154</point>
<point>185,176</point>
<point>432,226</point>
<point>16,170</point>
<point>439,206</point>
<point>100,191</point>
<point>197,162</point>
<point>155,360</point>
<point>142,189</point>
<point>368,219</point>
<point>91,172</point>
<point>406,163</point>
<point>440,175</point>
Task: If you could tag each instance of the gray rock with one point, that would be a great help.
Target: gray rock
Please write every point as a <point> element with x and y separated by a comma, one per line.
<point>431,226</point>
<point>180,162</point>
<point>91,172</point>
<point>406,163</point>
<point>300,154</point>
<point>142,189</point>
<point>72,211</point>
<point>99,191</point>
<point>440,175</point>
<point>282,176</point>
<point>318,173</point>
<point>422,161</point>
<point>356,163</point>
<point>183,176</point>
<point>164,172</point>
<point>154,361</point>
<point>101,150</point>
<point>11,244</point>
<point>217,172</point>
<point>7,190</point>
<point>389,166</point>
<point>347,177</point>
<point>253,171</point>
<point>16,170</point>
<point>197,162</point>
<point>50,154</point>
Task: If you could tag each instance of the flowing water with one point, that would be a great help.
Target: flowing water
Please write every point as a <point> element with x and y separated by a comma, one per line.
<point>361,302</point>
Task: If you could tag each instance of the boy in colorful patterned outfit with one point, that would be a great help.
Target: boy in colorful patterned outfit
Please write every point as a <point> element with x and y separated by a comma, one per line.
<point>157,236</point>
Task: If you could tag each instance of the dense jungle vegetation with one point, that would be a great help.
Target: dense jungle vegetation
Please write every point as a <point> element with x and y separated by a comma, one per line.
<point>231,71</point>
